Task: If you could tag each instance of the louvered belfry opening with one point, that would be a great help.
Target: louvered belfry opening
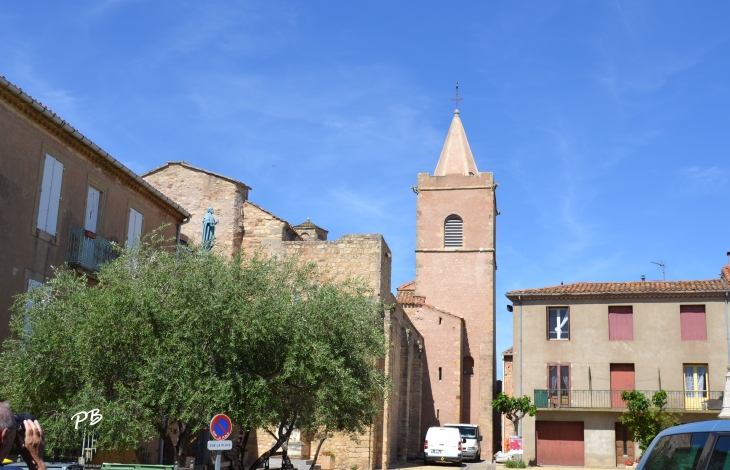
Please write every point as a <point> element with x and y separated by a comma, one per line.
<point>453,232</point>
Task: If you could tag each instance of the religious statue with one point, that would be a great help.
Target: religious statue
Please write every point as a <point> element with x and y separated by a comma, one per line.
<point>209,224</point>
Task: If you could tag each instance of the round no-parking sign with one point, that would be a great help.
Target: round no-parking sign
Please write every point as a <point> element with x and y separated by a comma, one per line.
<point>220,427</point>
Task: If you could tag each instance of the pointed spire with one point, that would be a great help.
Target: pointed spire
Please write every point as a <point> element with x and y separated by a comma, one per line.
<point>456,157</point>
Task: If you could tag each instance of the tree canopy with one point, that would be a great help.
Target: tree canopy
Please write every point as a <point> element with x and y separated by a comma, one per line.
<point>514,408</point>
<point>646,418</point>
<point>178,335</point>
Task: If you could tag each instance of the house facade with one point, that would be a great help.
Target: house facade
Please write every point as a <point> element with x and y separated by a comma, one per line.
<point>584,343</point>
<point>63,199</point>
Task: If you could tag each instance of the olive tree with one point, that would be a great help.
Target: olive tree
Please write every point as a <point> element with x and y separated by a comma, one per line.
<point>514,408</point>
<point>645,417</point>
<point>178,334</point>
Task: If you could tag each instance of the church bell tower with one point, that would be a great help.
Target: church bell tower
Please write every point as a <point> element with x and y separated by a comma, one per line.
<point>455,268</point>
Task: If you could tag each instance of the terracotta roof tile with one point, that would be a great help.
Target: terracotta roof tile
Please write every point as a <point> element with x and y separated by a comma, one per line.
<point>407,295</point>
<point>508,352</point>
<point>407,298</point>
<point>629,289</point>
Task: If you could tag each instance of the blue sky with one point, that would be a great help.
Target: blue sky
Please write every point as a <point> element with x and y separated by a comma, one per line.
<point>604,122</point>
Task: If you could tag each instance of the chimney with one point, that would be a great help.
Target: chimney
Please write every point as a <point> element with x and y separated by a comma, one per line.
<point>728,257</point>
<point>643,278</point>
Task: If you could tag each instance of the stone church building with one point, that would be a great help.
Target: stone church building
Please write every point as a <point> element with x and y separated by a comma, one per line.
<point>451,301</point>
<point>441,355</point>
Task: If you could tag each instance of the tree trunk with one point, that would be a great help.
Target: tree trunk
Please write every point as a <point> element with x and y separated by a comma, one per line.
<point>183,444</point>
<point>240,446</point>
<point>281,439</point>
<point>319,447</point>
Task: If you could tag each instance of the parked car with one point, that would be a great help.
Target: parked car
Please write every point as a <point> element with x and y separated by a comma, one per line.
<point>470,440</point>
<point>442,445</point>
<point>695,446</point>
<point>49,465</point>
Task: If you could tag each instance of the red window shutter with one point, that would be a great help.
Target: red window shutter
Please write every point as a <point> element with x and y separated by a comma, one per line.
<point>693,322</point>
<point>620,323</point>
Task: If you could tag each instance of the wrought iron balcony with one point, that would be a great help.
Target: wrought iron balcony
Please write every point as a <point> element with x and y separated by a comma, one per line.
<point>611,399</point>
<point>87,250</point>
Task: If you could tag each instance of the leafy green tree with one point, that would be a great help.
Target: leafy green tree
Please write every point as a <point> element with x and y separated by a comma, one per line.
<point>514,408</point>
<point>646,418</point>
<point>176,336</point>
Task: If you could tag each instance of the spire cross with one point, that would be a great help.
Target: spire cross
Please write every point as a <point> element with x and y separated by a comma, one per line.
<point>457,99</point>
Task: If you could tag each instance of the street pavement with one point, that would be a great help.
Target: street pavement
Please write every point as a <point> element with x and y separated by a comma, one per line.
<point>483,465</point>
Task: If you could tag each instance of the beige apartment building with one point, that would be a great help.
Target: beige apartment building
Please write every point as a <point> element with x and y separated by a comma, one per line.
<point>582,344</point>
<point>63,199</point>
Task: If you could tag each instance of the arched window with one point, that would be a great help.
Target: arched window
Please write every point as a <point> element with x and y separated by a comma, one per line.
<point>453,232</point>
<point>468,365</point>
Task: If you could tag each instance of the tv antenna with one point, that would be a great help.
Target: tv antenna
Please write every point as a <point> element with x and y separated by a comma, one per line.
<point>664,268</point>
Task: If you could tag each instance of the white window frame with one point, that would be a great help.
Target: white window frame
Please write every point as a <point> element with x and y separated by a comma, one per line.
<point>562,324</point>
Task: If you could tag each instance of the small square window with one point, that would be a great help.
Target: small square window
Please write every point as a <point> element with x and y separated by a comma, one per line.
<point>558,324</point>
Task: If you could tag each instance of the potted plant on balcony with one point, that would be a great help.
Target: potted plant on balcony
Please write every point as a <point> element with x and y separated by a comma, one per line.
<point>328,460</point>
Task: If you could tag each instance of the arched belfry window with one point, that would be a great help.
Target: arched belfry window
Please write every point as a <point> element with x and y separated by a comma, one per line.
<point>453,232</point>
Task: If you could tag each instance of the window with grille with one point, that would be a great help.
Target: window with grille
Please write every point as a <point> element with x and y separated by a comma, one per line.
<point>453,232</point>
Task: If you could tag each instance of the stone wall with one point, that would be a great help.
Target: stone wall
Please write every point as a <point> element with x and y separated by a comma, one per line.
<point>196,190</point>
<point>364,256</point>
<point>396,434</point>
<point>443,333</point>
<point>262,230</point>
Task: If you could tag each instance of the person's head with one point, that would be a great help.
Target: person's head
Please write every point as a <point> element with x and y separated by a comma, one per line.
<point>8,430</point>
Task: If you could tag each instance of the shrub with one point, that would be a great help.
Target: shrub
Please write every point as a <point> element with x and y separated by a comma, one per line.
<point>515,464</point>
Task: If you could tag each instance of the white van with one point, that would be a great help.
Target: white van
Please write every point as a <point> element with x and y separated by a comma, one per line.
<point>470,440</point>
<point>442,445</point>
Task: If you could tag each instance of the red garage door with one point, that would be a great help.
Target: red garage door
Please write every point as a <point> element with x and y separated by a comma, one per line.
<point>559,443</point>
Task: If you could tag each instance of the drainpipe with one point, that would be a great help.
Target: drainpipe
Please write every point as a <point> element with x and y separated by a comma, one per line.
<point>725,413</point>
<point>519,298</point>
<point>177,235</point>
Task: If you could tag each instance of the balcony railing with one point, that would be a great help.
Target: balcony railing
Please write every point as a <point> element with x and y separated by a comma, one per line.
<point>88,250</point>
<point>611,399</point>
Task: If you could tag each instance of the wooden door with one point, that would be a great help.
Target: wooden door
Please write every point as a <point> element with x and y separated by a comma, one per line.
<point>624,445</point>
<point>560,443</point>
<point>622,378</point>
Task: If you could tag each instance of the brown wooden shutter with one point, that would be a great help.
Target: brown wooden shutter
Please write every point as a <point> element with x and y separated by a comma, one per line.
<point>693,322</point>
<point>620,323</point>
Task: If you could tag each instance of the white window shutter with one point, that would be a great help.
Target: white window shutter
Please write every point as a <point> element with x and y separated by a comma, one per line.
<point>50,195</point>
<point>45,192</point>
<point>135,227</point>
<point>92,209</point>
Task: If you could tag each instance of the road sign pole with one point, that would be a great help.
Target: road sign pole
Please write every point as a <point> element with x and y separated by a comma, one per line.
<point>217,460</point>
